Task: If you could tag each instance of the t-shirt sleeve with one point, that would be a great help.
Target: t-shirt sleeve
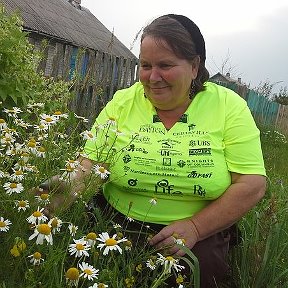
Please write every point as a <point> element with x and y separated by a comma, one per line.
<point>242,145</point>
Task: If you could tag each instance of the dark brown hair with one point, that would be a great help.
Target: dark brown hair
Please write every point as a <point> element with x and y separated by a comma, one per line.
<point>168,29</point>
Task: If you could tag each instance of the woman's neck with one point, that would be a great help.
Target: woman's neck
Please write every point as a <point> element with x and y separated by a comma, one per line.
<point>170,117</point>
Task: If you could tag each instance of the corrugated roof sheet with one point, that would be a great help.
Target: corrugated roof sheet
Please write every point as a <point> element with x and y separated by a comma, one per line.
<point>60,19</point>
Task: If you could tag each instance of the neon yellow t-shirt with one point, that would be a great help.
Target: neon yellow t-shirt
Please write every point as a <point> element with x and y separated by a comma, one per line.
<point>183,168</point>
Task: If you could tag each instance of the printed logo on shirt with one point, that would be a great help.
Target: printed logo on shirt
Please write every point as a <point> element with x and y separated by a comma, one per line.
<point>151,129</point>
<point>199,143</point>
<point>167,161</point>
<point>199,190</point>
<point>191,126</point>
<point>181,163</point>
<point>141,139</point>
<point>132,148</point>
<point>195,174</point>
<point>126,158</point>
<point>200,151</point>
<point>200,163</point>
<point>132,182</point>
<point>163,187</point>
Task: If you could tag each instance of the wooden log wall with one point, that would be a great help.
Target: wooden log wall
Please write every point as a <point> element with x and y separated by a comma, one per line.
<point>100,74</point>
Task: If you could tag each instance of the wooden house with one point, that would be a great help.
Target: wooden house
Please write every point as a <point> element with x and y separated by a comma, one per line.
<point>227,81</point>
<point>105,64</point>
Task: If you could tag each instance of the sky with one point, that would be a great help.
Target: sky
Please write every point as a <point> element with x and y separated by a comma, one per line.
<point>247,38</point>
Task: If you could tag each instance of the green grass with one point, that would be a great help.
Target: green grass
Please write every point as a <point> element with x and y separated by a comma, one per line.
<point>261,260</point>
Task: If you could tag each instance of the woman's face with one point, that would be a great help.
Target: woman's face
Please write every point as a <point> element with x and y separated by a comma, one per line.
<point>165,77</point>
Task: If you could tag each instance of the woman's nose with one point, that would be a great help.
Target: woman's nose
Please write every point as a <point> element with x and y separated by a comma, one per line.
<point>155,75</point>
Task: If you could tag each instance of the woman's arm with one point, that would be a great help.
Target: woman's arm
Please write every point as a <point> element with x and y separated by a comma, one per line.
<point>63,192</point>
<point>243,194</point>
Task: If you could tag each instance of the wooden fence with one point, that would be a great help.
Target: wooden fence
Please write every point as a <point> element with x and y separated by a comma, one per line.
<point>265,112</point>
<point>99,74</point>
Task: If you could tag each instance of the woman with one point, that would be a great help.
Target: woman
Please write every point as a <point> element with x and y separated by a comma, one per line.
<point>189,144</point>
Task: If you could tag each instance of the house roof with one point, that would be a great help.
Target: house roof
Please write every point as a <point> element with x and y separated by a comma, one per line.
<point>70,23</point>
<point>226,78</point>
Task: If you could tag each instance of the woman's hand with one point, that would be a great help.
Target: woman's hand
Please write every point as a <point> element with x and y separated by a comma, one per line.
<point>183,230</point>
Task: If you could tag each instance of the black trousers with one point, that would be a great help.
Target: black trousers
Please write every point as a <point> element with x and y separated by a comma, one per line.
<point>211,252</point>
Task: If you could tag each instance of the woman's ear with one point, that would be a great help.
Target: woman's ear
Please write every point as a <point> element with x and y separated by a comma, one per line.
<point>195,66</point>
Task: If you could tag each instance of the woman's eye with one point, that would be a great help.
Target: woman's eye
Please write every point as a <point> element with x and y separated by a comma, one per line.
<point>165,66</point>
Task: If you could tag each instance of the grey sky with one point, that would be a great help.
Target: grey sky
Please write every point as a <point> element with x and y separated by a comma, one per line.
<point>251,34</point>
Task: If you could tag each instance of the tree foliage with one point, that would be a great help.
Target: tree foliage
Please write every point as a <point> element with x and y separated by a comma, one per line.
<point>20,82</point>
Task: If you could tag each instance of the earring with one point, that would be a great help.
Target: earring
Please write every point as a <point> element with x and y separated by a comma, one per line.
<point>192,89</point>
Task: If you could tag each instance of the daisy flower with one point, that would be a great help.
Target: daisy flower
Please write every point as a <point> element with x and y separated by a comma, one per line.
<point>37,217</point>
<point>72,276</point>
<point>4,224</point>
<point>88,271</point>
<point>12,112</point>
<point>13,187</point>
<point>59,114</point>
<point>150,263</point>
<point>101,171</point>
<point>32,146</point>
<point>169,262</point>
<point>48,120</point>
<point>41,152</point>
<point>21,205</point>
<point>18,175</point>
<point>98,285</point>
<point>80,248</point>
<point>91,239</point>
<point>3,124</point>
<point>109,243</point>
<point>42,232</point>
<point>153,201</point>
<point>87,135</point>
<point>43,199</point>
<point>73,229</point>
<point>36,258</point>
<point>55,224</point>
<point>111,121</point>
<point>41,127</point>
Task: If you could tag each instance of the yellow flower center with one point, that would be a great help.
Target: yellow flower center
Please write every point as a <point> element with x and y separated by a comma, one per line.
<point>44,229</point>
<point>31,144</point>
<point>57,113</point>
<point>19,172</point>
<point>44,196</point>
<point>2,121</point>
<point>72,274</point>
<point>79,246</point>
<point>128,243</point>
<point>13,185</point>
<point>87,271</point>
<point>170,258</point>
<point>37,255</point>
<point>102,170</point>
<point>91,236</point>
<point>101,285</point>
<point>41,149</point>
<point>22,203</point>
<point>69,168</point>
<point>37,214</point>
<point>2,224</point>
<point>48,119</point>
<point>110,242</point>
<point>54,223</point>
